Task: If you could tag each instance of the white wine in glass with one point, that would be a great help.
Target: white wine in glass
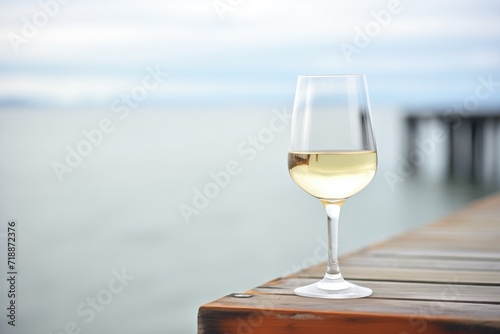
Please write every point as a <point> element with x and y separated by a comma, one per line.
<point>332,157</point>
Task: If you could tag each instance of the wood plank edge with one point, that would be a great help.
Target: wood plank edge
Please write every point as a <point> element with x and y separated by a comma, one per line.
<point>236,320</point>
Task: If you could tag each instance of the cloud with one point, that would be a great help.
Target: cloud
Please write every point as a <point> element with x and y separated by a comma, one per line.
<point>93,48</point>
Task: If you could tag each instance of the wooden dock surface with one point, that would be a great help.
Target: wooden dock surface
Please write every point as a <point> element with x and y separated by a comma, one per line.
<point>441,278</point>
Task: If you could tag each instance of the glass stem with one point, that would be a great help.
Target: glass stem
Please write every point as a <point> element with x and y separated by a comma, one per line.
<point>332,213</point>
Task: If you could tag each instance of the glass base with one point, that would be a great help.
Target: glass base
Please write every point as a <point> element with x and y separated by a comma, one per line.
<point>336,288</point>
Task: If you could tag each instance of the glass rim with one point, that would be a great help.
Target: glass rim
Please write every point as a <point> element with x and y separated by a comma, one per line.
<point>332,76</point>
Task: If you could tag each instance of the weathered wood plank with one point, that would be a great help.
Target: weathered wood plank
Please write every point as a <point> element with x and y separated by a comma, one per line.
<point>446,292</point>
<point>442,278</point>
<point>489,246</point>
<point>453,235</point>
<point>419,262</point>
<point>483,242</point>
<point>407,275</point>
<point>436,252</point>
<point>264,314</point>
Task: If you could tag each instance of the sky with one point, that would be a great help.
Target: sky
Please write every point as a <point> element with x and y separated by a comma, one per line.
<point>74,54</point>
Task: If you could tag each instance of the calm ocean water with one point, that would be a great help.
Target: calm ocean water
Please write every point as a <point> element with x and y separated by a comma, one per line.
<point>118,239</point>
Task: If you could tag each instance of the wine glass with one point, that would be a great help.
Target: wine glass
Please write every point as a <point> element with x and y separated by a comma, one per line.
<point>332,156</point>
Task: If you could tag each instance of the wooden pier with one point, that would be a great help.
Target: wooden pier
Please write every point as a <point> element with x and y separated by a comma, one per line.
<point>441,278</point>
<point>473,142</point>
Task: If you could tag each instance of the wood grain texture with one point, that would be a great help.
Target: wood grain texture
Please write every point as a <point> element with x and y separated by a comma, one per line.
<point>441,278</point>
